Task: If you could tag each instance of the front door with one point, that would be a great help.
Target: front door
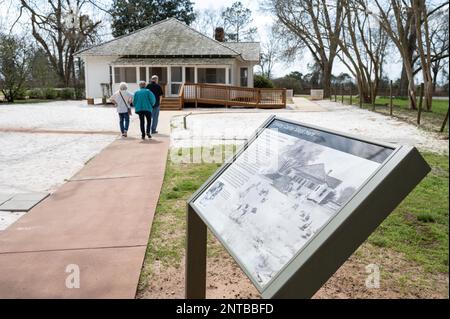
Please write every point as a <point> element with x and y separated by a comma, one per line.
<point>176,80</point>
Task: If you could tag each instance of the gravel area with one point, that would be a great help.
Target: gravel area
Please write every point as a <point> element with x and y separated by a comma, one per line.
<point>208,128</point>
<point>42,162</point>
<point>59,115</point>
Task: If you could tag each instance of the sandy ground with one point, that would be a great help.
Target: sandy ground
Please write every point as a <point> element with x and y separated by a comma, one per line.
<point>208,128</point>
<point>59,115</point>
<point>44,144</point>
<point>226,280</point>
<point>42,162</point>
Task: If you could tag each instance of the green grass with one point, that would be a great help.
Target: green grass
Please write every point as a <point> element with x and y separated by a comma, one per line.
<point>418,227</point>
<point>30,101</point>
<point>167,238</point>
<point>430,121</point>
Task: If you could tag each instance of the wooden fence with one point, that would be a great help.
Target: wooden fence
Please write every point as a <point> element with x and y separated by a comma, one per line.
<point>232,96</point>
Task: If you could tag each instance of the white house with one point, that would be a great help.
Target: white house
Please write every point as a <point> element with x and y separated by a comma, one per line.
<point>172,50</point>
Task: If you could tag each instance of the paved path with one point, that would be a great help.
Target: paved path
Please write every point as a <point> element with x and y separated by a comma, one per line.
<point>99,221</point>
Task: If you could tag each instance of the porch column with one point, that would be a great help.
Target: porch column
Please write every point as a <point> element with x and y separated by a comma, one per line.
<point>195,74</point>
<point>147,75</point>
<point>226,76</point>
<point>138,75</point>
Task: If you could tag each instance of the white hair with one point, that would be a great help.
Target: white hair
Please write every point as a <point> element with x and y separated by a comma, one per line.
<point>142,84</point>
<point>123,86</point>
<point>155,78</point>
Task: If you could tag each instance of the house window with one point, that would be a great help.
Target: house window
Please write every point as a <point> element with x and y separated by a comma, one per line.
<point>244,77</point>
<point>211,75</point>
<point>142,75</point>
<point>125,74</point>
<point>189,76</point>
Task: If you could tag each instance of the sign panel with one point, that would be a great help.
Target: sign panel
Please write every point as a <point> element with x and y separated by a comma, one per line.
<point>282,190</point>
<point>296,201</point>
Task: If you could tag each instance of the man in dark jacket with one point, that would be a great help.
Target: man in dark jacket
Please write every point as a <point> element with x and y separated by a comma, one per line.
<point>157,91</point>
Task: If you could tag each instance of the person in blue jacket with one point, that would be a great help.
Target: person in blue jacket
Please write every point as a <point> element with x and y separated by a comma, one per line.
<point>143,101</point>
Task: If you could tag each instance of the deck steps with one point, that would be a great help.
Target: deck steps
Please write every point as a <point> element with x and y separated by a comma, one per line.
<point>171,103</point>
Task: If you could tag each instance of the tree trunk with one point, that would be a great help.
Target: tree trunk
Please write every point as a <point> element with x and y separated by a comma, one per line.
<point>403,84</point>
<point>411,89</point>
<point>326,81</point>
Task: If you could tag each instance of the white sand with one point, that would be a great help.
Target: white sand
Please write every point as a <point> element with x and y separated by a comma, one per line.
<point>42,162</point>
<point>216,128</point>
<point>60,115</point>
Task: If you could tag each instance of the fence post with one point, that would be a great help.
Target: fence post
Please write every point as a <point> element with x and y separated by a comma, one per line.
<point>419,113</point>
<point>351,97</point>
<point>195,88</point>
<point>335,95</point>
<point>444,123</point>
<point>390,97</point>
<point>342,94</point>
<point>360,100</point>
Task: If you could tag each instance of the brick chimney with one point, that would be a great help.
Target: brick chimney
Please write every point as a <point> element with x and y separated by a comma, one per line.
<point>219,34</point>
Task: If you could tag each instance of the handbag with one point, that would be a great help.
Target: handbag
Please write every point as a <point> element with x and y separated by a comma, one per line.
<point>128,107</point>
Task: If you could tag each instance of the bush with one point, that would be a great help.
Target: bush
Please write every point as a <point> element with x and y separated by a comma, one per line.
<point>36,93</point>
<point>21,94</point>
<point>49,93</point>
<point>79,93</point>
<point>260,81</point>
<point>67,93</point>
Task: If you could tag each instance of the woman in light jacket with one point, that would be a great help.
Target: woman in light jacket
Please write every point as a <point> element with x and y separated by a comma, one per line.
<point>122,100</point>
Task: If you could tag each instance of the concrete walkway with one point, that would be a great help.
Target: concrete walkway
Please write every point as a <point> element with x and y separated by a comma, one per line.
<point>98,223</point>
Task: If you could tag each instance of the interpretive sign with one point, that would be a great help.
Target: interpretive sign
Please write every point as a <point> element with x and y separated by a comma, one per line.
<point>291,189</point>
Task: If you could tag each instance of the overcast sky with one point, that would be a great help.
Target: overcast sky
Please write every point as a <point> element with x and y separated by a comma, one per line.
<point>261,20</point>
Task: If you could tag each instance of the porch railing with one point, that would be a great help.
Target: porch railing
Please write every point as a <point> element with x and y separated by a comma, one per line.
<point>232,95</point>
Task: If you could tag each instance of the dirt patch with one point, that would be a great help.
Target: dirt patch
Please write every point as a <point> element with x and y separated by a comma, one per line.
<point>399,278</point>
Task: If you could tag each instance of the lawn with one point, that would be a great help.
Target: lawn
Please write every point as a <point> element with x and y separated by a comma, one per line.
<point>430,121</point>
<point>417,229</point>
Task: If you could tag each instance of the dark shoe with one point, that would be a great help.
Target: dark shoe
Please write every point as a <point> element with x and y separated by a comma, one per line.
<point>155,132</point>
<point>143,137</point>
<point>149,135</point>
<point>125,134</point>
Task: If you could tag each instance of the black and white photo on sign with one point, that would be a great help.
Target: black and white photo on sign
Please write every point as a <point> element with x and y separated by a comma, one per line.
<point>266,213</point>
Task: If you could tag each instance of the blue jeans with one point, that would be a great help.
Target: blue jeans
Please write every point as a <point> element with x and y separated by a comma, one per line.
<point>155,115</point>
<point>124,122</point>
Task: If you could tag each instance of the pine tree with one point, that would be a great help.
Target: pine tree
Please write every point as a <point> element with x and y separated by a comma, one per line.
<point>132,15</point>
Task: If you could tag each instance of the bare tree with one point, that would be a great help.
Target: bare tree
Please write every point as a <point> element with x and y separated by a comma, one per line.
<point>396,18</point>
<point>363,47</point>
<point>439,44</point>
<point>61,30</point>
<point>270,53</point>
<point>206,21</point>
<point>317,25</point>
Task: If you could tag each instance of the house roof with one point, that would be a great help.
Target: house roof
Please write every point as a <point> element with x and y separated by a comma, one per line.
<point>172,61</point>
<point>171,37</point>
<point>250,51</point>
<point>318,172</point>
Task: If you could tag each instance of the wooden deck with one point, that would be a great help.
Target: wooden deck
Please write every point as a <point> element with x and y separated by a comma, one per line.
<point>227,96</point>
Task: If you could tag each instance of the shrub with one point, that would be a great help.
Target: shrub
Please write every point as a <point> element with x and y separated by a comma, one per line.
<point>21,94</point>
<point>67,93</point>
<point>260,81</point>
<point>50,93</point>
<point>36,93</point>
<point>79,93</point>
